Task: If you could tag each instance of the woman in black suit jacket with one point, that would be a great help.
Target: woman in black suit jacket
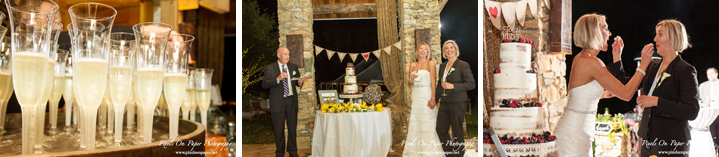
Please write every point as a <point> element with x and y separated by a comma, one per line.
<point>455,81</point>
<point>674,98</point>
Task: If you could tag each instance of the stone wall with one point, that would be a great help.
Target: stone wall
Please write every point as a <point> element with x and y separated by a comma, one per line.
<point>295,17</point>
<point>417,14</point>
<point>551,67</point>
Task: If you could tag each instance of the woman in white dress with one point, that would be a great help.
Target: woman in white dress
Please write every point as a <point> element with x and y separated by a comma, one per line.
<point>588,80</point>
<point>422,139</point>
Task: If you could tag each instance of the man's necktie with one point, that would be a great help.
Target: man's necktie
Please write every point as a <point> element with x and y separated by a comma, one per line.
<point>284,82</point>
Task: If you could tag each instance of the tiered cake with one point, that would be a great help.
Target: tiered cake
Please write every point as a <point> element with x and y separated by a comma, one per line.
<point>350,85</point>
<point>516,108</point>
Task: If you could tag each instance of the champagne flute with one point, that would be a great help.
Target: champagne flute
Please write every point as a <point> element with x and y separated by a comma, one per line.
<point>92,23</point>
<point>6,89</point>
<point>151,39</point>
<point>175,83</point>
<point>57,88</point>
<point>189,95</point>
<point>31,44</point>
<point>203,84</point>
<point>122,61</point>
<point>49,83</point>
<point>69,93</point>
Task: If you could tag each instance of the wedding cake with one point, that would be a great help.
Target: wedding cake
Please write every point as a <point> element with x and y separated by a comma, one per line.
<point>516,111</point>
<point>350,85</point>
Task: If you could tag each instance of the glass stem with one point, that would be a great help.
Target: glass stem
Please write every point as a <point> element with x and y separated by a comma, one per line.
<point>118,119</point>
<point>174,118</point>
<point>204,119</point>
<point>110,121</point>
<point>130,116</point>
<point>185,114</point>
<point>53,115</point>
<point>3,109</point>
<point>193,114</point>
<point>40,126</point>
<point>147,124</point>
<point>28,121</point>
<point>68,113</point>
<point>90,119</point>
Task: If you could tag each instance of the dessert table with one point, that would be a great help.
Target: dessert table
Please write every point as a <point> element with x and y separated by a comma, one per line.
<point>352,134</point>
<point>701,143</point>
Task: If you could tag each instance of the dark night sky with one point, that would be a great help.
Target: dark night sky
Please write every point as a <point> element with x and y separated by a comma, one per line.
<point>459,23</point>
<point>635,21</point>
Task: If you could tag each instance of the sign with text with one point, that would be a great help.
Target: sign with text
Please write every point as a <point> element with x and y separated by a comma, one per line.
<point>603,127</point>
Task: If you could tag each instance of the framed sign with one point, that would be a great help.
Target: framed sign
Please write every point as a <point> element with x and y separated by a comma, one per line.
<point>328,96</point>
<point>295,43</point>
<point>560,27</point>
<point>603,127</point>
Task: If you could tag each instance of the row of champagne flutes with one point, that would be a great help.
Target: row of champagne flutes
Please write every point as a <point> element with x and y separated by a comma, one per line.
<point>101,64</point>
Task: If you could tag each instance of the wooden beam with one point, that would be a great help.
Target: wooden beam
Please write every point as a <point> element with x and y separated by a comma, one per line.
<point>441,4</point>
<point>343,8</point>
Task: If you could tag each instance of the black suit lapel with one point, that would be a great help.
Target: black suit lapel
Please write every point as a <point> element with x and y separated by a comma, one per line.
<point>669,70</point>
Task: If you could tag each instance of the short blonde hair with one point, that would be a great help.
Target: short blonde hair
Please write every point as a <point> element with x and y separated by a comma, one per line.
<point>456,48</point>
<point>676,33</point>
<point>429,51</point>
<point>588,31</point>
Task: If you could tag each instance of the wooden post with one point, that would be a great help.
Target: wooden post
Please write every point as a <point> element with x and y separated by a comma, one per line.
<point>560,27</point>
<point>167,10</point>
<point>343,8</point>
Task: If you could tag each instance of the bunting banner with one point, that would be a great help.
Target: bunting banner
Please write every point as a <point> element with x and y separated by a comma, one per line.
<point>365,55</point>
<point>329,54</point>
<point>521,10</point>
<point>388,50</point>
<point>377,53</point>
<point>495,12</point>
<point>318,50</point>
<point>511,12</point>
<point>533,7</point>
<point>342,56</point>
<point>354,56</point>
<point>508,12</point>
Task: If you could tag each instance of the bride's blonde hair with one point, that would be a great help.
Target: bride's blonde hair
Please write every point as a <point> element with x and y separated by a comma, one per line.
<point>429,51</point>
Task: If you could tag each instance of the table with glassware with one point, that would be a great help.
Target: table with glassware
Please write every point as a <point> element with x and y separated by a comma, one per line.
<point>352,134</point>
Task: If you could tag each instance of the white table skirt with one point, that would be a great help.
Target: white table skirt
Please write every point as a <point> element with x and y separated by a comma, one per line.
<point>701,144</point>
<point>365,134</point>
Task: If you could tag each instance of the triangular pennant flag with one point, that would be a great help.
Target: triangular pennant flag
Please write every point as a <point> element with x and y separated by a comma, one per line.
<point>547,3</point>
<point>329,54</point>
<point>508,13</point>
<point>521,9</point>
<point>495,12</point>
<point>354,56</point>
<point>377,53</point>
<point>342,56</point>
<point>318,50</point>
<point>533,7</point>
<point>398,45</point>
<point>388,50</point>
<point>365,55</point>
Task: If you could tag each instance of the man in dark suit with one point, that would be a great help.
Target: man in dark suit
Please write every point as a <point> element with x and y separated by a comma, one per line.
<point>283,100</point>
<point>455,82</point>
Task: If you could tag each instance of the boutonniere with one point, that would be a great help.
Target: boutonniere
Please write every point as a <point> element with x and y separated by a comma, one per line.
<point>450,71</point>
<point>665,75</point>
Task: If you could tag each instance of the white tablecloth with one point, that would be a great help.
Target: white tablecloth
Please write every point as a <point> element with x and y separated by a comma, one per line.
<point>365,134</point>
<point>701,144</point>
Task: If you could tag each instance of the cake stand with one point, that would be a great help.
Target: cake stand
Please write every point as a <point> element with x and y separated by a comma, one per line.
<point>351,96</point>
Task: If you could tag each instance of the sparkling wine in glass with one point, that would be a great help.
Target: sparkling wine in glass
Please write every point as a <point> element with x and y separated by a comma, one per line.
<point>122,62</point>
<point>203,85</point>
<point>6,89</point>
<point>58,88</point>
<point>40,145</point>
<point>151,38</point>
<point>31,25</point>
<point>91,23</point>
<point>175,83</point>
<point>189,94</point>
